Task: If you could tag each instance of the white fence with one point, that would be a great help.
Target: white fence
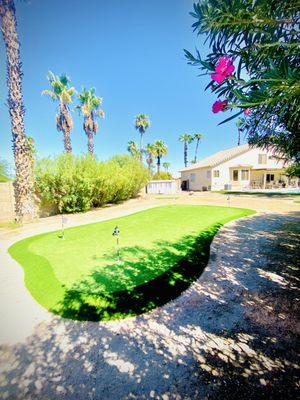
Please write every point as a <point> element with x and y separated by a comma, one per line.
<point>162,187</point>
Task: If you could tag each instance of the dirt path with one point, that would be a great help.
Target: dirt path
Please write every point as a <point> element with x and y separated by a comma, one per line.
<point>231,335</point>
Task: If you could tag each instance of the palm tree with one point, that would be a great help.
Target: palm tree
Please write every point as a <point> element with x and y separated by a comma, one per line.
<point>197,137</point>
<point>160,150</point>
<point>166,166</point>
<point>186,139</point>
<point>62,93</point>
<point>90,108</point>
<point>150,153</point>
<point>133,149</point>
<point>239,125</point>
<point>142,123</point>
<point>24,185</point>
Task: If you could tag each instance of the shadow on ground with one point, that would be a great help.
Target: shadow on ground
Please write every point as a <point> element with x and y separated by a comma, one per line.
<point>232,335</point>
<point>184,261</point>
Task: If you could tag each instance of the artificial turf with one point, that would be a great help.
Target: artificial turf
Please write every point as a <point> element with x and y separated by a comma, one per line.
<point>162,251</point>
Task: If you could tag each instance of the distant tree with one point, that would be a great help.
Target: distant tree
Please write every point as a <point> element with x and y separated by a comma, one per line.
<point>23,187</point>
<point>150,153</point>
<point>254,63</point>
<point>89,106</point>
<point>160,150</point>
<point>133,149</point>
<point>186,138</point>
<point>161,176</point>
<point>4,176</point>
<point>142,123</point>
<point>63,94</point>
<point>239,124</point>
<point>293,170</point>
<point>197,137</point>
<point>166,166</point>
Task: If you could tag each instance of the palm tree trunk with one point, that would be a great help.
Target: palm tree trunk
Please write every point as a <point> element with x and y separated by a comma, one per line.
<point>158,165</point>
<point>196,151</point>
<point>239,136</point>
<point>141,148</point>
<point>24,185</point>
<point>185,154</point>
<point>90,137</point>
<point>66,124</point>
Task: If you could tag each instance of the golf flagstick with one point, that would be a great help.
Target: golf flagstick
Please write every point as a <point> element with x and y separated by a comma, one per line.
<point>116,233</point>
<point>63,222</point>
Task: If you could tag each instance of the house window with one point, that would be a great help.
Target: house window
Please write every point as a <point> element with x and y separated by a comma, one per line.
<point>208,174</point>
<point>235,174</point>
<point>216,173</point>
<point>192,177</point>
<point>262,159</point>
<point>245,175</point>
<point>270,178</point>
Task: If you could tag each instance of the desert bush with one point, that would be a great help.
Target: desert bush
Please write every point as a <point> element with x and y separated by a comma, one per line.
<point>161,176</point>
<point>78,183</point>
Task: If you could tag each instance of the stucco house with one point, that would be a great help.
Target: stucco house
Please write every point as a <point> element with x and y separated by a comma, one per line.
<point>238,168</point>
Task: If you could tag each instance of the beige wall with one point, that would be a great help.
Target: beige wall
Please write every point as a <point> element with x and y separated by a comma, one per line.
<point>7,212</point>
<point>198,180</point>
<point>7,201</point>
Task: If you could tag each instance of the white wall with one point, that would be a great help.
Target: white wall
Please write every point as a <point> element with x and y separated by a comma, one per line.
<point>200,178</point>
<point>162,187</point>
<point>249,158</point>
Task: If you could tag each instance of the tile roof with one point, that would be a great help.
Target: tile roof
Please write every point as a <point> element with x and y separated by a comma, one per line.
<point>219,158</point>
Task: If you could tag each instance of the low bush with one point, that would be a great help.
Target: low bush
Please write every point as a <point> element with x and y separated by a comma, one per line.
<point>161,176</point>
<point>78,183</point>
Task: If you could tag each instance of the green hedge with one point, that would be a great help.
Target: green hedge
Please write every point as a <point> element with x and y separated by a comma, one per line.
<point>78,183</point>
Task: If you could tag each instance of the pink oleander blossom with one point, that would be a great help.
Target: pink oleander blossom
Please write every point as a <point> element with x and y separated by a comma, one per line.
<point>223,69</point>
<point>247,111</point>
<point>219,106</point>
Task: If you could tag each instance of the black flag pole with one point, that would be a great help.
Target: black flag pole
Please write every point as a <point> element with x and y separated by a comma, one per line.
<point>116,233</point>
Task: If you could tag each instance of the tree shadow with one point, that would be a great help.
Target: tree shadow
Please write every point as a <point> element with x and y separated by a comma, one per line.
<point>231,335</point>
<point>182,261</point>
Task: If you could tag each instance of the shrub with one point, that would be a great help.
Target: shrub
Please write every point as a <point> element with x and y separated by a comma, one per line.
<point>161,176</point>
<point>4,177</point>
<point>77,183</point>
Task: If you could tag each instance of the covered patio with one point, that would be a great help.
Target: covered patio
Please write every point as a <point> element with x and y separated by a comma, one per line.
<point>268,178</point>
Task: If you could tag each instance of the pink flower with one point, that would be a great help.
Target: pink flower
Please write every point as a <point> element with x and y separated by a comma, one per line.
<point>223,68</point>
<point>219,106</point>
<point>247,111</point>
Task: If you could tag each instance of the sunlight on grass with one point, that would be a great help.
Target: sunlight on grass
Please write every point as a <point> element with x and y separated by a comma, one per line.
<point>162,250</point>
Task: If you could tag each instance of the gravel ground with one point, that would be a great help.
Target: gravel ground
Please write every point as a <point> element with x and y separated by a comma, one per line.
<point>232,335</point>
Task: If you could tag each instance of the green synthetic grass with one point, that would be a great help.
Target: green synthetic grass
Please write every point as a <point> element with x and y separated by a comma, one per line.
<point>267,194</point>
<point>163,250</point>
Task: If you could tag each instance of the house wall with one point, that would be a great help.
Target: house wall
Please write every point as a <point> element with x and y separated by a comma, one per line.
<point>249,158</point>
<point>198,180</point>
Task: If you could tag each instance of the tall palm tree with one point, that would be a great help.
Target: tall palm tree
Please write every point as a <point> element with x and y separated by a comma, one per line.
<point>63,94</point>
<point>24,185</point>
<point>197,137</point>
<point>150,153</point>
<point>166,166</point>
<point>133,149</point>
<point>142,123</point>
<point>186,138</point>
<point>89,106</point>
<point>160,150</point>
<point>239,125</point>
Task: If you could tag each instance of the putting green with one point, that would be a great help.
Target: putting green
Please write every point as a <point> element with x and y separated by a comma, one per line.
<point>162,251</point>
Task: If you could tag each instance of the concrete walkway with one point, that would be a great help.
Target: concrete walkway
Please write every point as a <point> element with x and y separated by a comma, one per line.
<point>232,334</point>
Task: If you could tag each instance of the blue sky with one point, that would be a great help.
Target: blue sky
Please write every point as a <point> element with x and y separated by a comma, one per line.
<point>132,53</point>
